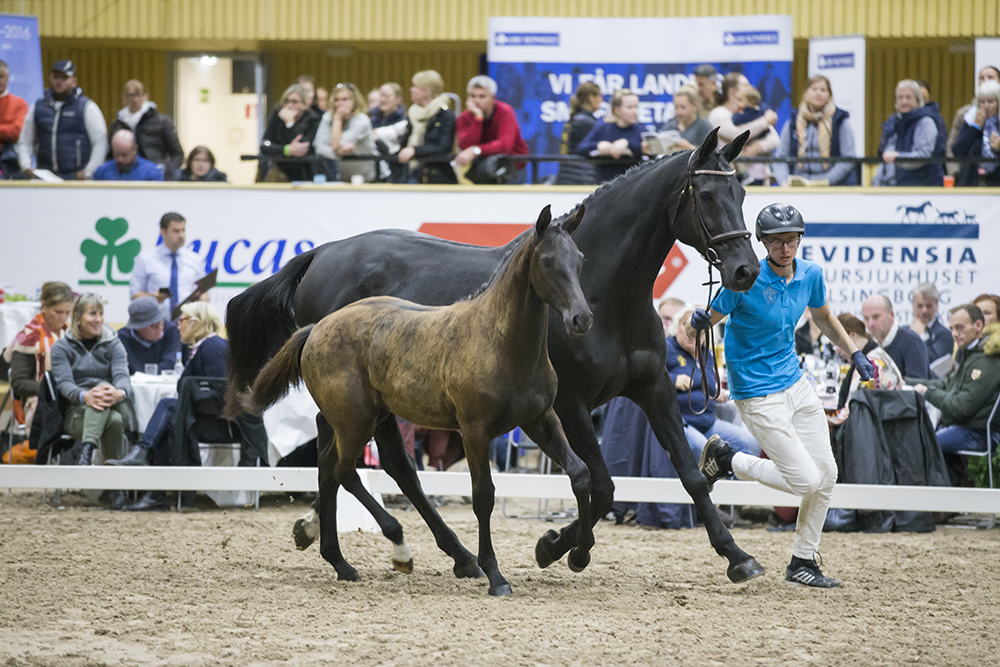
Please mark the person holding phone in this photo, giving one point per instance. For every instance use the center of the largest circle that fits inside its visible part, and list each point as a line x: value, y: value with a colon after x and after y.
x: 168, y: 271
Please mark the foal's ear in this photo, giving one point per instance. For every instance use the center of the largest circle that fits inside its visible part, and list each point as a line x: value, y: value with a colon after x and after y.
x: 544, y: 218
x: 733, y: 149
x: 708, y: 146
x: 574, y: 220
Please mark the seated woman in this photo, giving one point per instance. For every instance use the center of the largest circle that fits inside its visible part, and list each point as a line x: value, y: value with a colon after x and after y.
x: 887, y: 375
x: 818, y: 128
x: 200, y: 328
x: 200, y: 167
x: 981, y: 137
x: 90, y: 369
x: 911, y: 132
x: 686, y: 123
x: 584, y: 103
x: 729, y: 102
x: 290, y: 132
x: 431, y: 132
x: 619, y: 137
x: 990, y: 305
x: 347, y: 130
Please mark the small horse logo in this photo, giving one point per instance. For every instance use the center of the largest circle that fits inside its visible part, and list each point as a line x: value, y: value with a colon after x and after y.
x: 947, y: 216
x: 916, y: 212
x: 970, y: 218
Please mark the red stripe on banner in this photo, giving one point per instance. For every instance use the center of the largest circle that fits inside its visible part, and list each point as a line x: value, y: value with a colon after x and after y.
x: 478, y: 233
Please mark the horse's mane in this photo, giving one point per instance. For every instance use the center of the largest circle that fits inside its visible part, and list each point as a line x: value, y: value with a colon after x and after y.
x: 508, y: 255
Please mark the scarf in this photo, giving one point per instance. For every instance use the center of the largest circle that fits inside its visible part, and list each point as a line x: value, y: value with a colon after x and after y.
x: 132, y: 119
x: 824, y: 126
x: 419, y: 115
x: 35, y: 339
x: 991, y: 125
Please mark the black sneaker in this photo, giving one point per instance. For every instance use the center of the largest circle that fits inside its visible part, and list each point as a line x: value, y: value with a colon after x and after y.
x: 711, y: 465
x: 807, y: 573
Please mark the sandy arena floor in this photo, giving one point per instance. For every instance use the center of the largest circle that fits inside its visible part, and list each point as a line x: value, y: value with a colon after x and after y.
x: 85, y: 586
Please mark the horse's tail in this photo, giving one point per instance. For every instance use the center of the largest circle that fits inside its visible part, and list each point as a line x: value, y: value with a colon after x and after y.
x: 258, y: 322
x: 282, y: 372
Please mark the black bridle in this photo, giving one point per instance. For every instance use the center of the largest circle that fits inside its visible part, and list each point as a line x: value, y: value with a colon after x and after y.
x: 712, y: 258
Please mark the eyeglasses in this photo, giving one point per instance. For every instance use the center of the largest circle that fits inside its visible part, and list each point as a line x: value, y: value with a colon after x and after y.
x: 775, y: 243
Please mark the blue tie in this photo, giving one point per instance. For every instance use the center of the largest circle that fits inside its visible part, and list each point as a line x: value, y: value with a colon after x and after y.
x: 174, y: 289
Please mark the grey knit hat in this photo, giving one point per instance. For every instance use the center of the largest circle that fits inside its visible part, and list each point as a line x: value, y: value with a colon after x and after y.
x: 143, y: 312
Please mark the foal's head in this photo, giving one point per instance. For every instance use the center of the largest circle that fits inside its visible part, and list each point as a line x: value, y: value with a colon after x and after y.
x: 556, y: 263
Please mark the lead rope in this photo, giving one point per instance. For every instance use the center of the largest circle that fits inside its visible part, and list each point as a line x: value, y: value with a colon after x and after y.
x: 701, y: 352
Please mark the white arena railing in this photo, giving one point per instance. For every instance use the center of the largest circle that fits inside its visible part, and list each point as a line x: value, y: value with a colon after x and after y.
x: 508, y: 485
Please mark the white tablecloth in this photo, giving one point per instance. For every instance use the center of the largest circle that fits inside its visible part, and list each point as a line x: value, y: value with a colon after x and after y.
x: 147, y: 390
x: 13, y: 317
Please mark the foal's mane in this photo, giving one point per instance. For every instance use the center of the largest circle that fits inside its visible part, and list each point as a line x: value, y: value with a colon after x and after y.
x: 508, y: 255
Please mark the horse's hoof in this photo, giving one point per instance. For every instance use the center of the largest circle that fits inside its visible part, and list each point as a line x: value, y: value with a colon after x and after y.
x: 502, y: 590
x: 543, y: 554
x: 745, y: 571
x: 578, y: 560
x: 405, y: 568
x: 302, y: 537
x: 468, y: 570
x: 347, y: 573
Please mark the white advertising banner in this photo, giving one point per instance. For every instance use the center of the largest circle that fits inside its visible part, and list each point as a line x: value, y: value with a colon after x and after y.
x: 867, y: 241
x: 842, y: 61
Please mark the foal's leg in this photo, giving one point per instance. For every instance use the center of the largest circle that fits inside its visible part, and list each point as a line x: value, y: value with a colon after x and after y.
x: 548, y: 433
x: 477, y: 452
x: 329, y: 544
x: 659, y: 402
x: 306, y: 528
x: 398, y: 464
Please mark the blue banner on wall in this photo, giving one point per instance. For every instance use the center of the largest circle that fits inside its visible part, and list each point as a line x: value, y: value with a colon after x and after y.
x: 21, y: 49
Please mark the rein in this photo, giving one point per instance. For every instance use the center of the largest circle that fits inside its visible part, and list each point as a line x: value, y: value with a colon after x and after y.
x: 701, y: 351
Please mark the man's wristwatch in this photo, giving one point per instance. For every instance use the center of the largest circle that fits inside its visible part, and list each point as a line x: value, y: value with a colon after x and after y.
x: 477, y: 150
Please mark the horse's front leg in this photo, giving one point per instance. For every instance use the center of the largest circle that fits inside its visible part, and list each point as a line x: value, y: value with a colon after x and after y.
x: 548, y: 434
x: 575, y: 419
x: 398, y: 464
x: 477, y: 452
x: 329, y: 544
x: 659, y: 402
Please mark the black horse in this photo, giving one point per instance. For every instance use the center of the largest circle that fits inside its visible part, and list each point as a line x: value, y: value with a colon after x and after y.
x: 631, y: 224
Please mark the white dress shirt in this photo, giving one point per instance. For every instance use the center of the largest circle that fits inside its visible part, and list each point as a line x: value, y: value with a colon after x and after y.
x: 152, y: 271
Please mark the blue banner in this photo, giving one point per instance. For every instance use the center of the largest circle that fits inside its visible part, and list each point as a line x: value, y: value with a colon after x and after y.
x: 21, y: 49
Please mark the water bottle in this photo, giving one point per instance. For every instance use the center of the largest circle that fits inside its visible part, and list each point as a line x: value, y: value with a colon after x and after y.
x: 178, y: 365
x: 832, y: 375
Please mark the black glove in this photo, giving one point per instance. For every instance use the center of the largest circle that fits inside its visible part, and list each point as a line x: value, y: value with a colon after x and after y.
x: 865, y: 369
x: 701, y: 320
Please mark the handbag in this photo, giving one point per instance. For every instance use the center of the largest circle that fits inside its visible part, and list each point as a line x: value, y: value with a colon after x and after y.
x: 491, y: 170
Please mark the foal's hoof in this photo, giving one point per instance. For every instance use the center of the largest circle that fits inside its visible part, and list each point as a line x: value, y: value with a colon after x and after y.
x: 405, y: 568
x: 745, y: 571
x: 543, y: 550
x: 501, y: 590
x: 578, y: 560
x: 301, y: 535
x: 468, y: 570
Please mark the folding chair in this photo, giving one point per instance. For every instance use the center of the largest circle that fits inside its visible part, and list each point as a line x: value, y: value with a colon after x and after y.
x: 989, y: 442
x: 518, y: 441
x: 16, y: 431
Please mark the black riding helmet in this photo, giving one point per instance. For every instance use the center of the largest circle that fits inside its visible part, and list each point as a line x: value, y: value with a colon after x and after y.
x: 778, y: 219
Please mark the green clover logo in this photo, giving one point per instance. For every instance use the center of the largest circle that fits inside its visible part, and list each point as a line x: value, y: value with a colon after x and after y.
x: 125, y: 253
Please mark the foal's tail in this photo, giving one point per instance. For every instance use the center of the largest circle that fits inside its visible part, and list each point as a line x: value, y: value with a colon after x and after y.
x: 282, y: 372
x: 258, y: 322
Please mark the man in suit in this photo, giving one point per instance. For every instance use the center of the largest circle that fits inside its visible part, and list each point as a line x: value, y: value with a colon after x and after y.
x: 904, y: 346
x: 927, y: 324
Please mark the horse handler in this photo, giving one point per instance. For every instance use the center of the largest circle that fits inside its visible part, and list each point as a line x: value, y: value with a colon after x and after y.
x: 776, y: 402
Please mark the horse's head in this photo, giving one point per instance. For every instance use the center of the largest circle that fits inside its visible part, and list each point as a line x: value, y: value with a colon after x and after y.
x: 710, y: 212
x: 556, y: 263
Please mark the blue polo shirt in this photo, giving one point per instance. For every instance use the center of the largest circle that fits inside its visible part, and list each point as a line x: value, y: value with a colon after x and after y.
x: 142, y: 170
x: 760, y: 332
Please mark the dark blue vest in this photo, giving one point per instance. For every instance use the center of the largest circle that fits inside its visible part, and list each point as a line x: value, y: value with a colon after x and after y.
x: 904, y: 127
x: 72, y: 145
x: 839, y: 116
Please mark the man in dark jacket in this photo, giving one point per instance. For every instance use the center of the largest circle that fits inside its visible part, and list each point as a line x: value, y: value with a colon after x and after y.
x: 154, y: 131
x: 148, y: 338
x: 966, y: 397
x: 927, y: 324
x: 904, y: 346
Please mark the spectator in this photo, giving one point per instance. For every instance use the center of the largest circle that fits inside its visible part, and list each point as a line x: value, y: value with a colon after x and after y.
x: 618, y: 137
x: 667, y: 310
x: 390, y: 111
x: 706, y: 78
x: 200, y: 328
x: 308, y: 84
x: 347, y: 130
x: 126, y: 164
x: 935, y: 111
x: 887, y: 375
x: 322, y: 98
x: 13, y: 110
x: 290, y: 133
x: 686, y: 122
x: 904, y: 346
x: 431, y: 131
x: 148, y: 337
x: 728, y: 102
x: 582, y: 107
x: 989, y: 304
x: 154, y: 131
x: 64, y: 132
x: 911, y: 132
x: 91, y: 372
x: 967, y: 113
x: 927, y: 324
x: 980, y: 136
x: 167, y: 271
x: 201, y: 167
x: 30, y: 353
x: 374, y: 98
x: 818, y: 128
x: 966, y: 397
x: 750, y: 109
x: 488, y: 127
